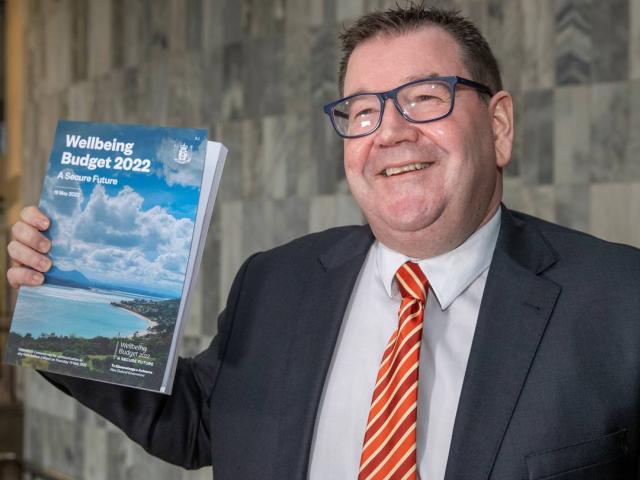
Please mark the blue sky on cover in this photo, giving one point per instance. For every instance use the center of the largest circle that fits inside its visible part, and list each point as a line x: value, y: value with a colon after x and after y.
x: 136, y: 234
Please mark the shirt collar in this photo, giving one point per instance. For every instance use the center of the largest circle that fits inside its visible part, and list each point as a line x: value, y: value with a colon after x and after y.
x: 449, y: 274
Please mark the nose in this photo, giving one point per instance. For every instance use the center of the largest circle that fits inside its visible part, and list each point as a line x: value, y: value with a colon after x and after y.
x: 394, y: 128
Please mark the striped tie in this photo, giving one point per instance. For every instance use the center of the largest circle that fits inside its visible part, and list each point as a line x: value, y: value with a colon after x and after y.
x: 389, y: 450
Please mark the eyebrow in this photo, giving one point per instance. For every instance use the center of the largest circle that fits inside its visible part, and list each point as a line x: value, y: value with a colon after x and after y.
x: 409, y: 79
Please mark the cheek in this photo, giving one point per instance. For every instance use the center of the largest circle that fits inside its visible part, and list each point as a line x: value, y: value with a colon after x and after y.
x: 440, y: 130
x: 355, y: 155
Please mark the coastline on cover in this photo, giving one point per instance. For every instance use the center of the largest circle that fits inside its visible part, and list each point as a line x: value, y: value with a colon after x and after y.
x: 123, y: 201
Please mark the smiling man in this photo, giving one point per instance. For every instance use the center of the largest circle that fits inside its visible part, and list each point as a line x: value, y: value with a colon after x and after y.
x: 450, y: 338
x: 424, y: 187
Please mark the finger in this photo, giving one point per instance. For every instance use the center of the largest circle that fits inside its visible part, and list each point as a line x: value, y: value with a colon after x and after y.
x: 30, y: 236
x: 18, y: 276
x: 33, y: 216
x: 27, y: 256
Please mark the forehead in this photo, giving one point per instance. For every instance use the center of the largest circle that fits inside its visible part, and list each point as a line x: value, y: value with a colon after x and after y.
x: 388, y: 60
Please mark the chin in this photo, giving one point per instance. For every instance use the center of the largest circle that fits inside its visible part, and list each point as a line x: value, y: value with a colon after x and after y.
x: 408, y: 216
x: 404, y: 224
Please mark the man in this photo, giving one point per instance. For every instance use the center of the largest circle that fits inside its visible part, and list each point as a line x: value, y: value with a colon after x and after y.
x: 525, y: 335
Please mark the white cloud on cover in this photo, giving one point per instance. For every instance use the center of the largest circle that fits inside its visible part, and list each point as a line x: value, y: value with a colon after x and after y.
x: 63, y: 212
x: 113, y: 239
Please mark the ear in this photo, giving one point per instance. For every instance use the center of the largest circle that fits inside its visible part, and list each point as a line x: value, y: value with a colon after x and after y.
x: 501, y: 111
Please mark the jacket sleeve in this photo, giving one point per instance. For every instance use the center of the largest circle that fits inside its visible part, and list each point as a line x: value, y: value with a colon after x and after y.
x: 176, y: 427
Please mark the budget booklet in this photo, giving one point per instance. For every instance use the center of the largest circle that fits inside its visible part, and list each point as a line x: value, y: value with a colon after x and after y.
x: 130, y: 206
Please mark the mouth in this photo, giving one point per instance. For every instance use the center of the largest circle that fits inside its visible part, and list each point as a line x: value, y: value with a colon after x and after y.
x: 411, y: 167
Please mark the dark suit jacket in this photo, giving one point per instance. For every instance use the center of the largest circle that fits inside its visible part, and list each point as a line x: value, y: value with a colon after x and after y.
x: 551, y: 391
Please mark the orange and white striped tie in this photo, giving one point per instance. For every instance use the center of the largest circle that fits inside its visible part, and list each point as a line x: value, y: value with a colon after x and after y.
x: 389, y: 450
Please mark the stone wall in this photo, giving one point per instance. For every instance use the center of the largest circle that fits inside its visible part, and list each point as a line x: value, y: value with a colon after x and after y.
x: 256, y: 74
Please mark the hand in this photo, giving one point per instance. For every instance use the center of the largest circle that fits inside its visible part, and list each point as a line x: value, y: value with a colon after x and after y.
x: 28, y: 248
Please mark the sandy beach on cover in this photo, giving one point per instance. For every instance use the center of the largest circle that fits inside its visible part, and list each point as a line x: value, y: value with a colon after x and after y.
x: 150, y: 322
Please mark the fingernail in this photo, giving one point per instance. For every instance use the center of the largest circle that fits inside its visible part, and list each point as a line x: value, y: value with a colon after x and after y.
x: 44, y: 224
x: 37, y: 277
x: 44, y: 265
x: 44, y: 246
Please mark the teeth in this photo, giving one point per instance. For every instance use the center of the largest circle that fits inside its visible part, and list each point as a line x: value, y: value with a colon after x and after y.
x: 406, y: 168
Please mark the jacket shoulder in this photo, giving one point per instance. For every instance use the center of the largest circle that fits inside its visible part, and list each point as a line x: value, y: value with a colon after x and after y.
x: 306, y: 250
x: 583, y: 247
x: 318, y: 242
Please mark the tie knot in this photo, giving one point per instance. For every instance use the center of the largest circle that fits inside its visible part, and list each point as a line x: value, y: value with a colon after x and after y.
x: 412, y: 282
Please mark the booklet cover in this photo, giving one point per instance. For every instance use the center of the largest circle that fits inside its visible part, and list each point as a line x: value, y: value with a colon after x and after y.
x: 129, y: 207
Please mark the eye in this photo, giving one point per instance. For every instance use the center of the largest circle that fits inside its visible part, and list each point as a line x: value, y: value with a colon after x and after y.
x: 365, y: 112
x: 426, y: 94
x: 362, y: 107
x: 423, y: 98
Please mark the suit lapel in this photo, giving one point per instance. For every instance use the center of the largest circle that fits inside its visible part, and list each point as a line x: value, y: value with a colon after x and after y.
x: 514, y: 312
x: 311, y: 346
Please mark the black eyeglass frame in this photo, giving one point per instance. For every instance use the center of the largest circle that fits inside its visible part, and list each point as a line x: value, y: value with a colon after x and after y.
x: 452, y: 81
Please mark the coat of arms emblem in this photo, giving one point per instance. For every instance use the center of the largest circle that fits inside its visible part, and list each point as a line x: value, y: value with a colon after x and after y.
x: 182, y: 153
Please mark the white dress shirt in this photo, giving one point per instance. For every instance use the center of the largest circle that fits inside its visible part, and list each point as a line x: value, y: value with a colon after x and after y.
x: 457, y: 281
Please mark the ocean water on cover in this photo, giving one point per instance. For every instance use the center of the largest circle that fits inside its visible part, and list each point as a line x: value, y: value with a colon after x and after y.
x: 74, y: 311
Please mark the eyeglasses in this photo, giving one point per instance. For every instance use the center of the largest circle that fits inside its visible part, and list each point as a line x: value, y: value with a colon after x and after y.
x: 420, y: 101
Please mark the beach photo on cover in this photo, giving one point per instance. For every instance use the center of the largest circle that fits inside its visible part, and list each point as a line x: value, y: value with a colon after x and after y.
x: 122, y: 209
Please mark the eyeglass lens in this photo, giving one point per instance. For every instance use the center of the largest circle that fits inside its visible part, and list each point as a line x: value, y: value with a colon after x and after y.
x: 419, y: 102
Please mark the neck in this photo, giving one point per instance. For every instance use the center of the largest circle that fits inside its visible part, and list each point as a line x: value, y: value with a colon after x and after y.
x: 440, y: 237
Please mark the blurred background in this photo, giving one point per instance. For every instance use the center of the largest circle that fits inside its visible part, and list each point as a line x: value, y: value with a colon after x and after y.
x: 256, y: 74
